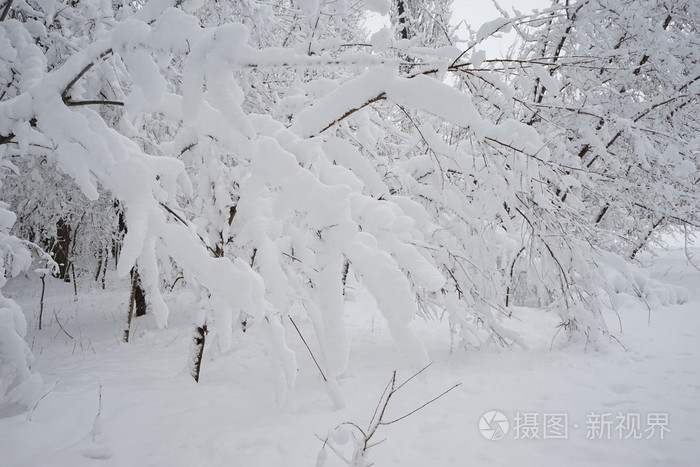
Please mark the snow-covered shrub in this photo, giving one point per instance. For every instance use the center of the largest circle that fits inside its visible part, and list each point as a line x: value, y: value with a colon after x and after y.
x: 19, y: 386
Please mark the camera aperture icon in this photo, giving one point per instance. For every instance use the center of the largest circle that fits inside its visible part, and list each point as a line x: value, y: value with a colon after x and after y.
x: 494, y: 425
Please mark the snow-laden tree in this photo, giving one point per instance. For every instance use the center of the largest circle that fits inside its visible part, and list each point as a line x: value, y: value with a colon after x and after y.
x: 615, y: 92
x: 268, y: 152
x: 579, y: 65
x: 285, y: 211
x: 51, y: 210
x: 612, y: 87
x: 477, y: 172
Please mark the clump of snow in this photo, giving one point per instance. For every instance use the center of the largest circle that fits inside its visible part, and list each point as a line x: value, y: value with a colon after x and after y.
x: 308, y: 7
x: 491, y: 27
x: 549, y: 83
x: 378, y: 6
x: 381, y: 40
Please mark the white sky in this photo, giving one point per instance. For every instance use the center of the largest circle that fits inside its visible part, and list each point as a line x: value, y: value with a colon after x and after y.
x: 475, y: 13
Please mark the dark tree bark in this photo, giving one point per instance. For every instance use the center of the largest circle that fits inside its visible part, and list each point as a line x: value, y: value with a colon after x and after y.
x: 130, y: 314
x: 61, y: 249
x: 137, y: 302
x: 401, y: 9
x: 41, y: 300
x: 346, y: 270
x: 121, y: 231
x: 138, y: 293
x: 199, y: 341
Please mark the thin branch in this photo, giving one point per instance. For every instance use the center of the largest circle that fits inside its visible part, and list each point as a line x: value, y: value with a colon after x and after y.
x: 618, y: 341
x: 379, y: 403
x: 8, y: 5
x: 422, y: 406
x: 82, y: 72
x: 353, y: 425
x: 309, y: 349
x: 61, y: 326
x: 676, y: 218
x: 93, y: 102
x: 293, y: 258
x: 184, y: 222
x: 333, y: 448
x: 414, y: 375
x: 356, y: 109
x: 373, y: 427
x: 31, y: 414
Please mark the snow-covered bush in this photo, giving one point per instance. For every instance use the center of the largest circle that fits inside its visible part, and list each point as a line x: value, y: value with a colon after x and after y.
x: 18, y: 384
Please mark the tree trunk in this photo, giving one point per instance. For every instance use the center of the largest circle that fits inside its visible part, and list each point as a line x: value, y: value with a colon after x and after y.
x: 41, y: 300
x: 130, y: 315
x: 121, y: 231
x: 346, y: 270
x: 138, y: 293
x: 199, y: 341
x: 403, y: 22
x: 61, y: 248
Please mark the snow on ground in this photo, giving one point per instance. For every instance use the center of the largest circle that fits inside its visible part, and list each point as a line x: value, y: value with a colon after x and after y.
x: 153, y: 414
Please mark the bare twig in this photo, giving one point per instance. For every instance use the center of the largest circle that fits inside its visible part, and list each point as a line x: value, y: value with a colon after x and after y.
x: 61, y: 326
x: 72, y: 103
x: 42, y: 398
x: 308, y: 348
x: 362, y: 441
x: 41, y: 300
x: 387, y: 388
x: 175, y: 282
x: 356, y: 109
x: 618, y: 341
x: 422, y: 406
x: 184, y: 222
x: 414, y: 375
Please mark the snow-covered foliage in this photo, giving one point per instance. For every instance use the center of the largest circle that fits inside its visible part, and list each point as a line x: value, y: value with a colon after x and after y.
x: 615, y: 95
x: 18, y: 384
x: 267, y: 151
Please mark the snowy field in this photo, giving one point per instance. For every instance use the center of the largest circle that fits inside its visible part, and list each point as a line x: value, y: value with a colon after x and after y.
x: 614, y: 407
